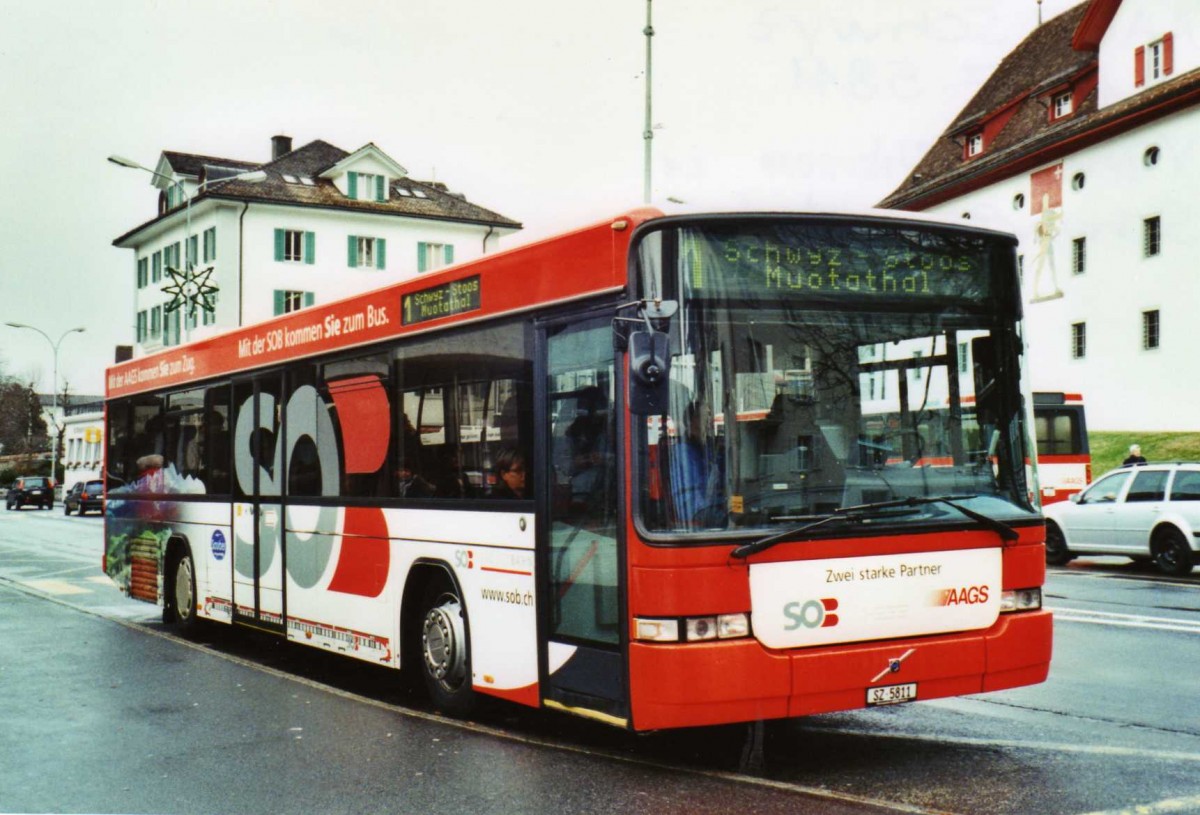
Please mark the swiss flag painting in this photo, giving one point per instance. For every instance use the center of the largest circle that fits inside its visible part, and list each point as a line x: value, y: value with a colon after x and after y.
x: 1046, y: 189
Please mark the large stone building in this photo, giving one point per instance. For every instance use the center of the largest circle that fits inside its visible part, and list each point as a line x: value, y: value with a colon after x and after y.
x: 311, y: 225
x: 1083, y: 144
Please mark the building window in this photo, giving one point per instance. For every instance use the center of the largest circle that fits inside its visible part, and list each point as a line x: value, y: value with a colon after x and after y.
x: 210, y: 244
x: 295, y: 246
x: 368, y: 187
x: 143, y: 273
x: 1079, y: 255
x: 1150, y: 157
x: 171, y: 257
x: 1154, y: 61
x: 1150, y: 327
x: 155, y: 322
x: 1019, y: 201
x: 193, y: 250
x: 431, y: 256
x: 1078, y: 340
x: 1152, y: 237
x: 1061, y: 105
x: 156, y: 265
x: 141, y: 326
x: 289, y: 301
x: 206, y: 316
x: 367, y: 253
x: 974, y: 144
x: 1077, y: 181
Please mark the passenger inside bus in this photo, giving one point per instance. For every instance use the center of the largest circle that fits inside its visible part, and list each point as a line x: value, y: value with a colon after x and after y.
x: 698, y: 469
x: 510, y: 474
x: 588, y: 437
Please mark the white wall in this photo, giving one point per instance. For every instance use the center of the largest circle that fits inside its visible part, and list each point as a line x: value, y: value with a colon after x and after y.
x: 1125, y: 386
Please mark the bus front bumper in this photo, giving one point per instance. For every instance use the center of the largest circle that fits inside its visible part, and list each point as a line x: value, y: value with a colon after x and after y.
x: 739, y: 680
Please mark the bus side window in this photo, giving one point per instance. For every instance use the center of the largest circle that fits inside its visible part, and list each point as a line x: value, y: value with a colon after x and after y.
x: 216, y: 447
x: 144, y: 459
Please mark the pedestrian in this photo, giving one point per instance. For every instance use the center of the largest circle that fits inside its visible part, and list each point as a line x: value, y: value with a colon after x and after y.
x: 1135, y: 456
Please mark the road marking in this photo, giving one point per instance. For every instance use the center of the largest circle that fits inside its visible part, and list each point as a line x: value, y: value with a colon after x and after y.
x: 56, y: 587
x: 1191, y: 804
x: 1074, y: 615
x: 1017, y: 744
x: 100, y: 580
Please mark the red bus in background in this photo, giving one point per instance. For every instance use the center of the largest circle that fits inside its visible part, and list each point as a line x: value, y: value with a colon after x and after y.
x: 1063, y: 457
x: 657, y: 472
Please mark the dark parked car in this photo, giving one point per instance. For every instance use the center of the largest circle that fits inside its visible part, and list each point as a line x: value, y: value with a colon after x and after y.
x: 31, y: 489
x: 85, y: 496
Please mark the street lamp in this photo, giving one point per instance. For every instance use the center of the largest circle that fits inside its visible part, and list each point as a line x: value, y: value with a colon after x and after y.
x: 53, y: 391
x: 253, y: 176
x: 648, y: 132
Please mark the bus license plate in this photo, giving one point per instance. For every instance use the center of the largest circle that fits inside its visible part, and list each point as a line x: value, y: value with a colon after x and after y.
x: 891, y: 694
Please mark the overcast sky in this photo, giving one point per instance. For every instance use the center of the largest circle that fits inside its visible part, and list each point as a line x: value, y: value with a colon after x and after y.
x: 532, y: 108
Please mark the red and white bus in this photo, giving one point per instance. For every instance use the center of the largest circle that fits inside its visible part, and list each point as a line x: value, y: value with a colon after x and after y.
x: 1064, y: 458
x: 626, y: 472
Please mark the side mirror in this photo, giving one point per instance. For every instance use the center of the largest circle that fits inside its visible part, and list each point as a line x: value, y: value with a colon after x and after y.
x: 1076, y: 497
x: 649, y: 372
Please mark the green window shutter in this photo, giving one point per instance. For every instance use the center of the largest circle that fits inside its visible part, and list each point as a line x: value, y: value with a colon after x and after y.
x: 379, y: 196
x: 352, y: 251
x: 421, y: 264
x: 380, y: 253
x: 309, y: 299
x: 279, y: 238
x: 310, y: 247
x: 449, y: 254
x: 353, y: 185
x: 279, y: 302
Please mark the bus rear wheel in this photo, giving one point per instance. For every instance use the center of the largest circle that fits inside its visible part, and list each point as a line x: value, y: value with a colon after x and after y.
x: 180, y: 607
x: 445, y: 651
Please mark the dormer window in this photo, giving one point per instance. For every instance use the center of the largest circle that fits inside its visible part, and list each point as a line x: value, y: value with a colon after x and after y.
x: 1061, y: 105
x: 1154, y: 61
x: 368, y: 187
x: 974, y: 144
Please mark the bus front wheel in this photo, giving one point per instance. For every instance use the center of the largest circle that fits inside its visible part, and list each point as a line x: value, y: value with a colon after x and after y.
x: 445, y: 651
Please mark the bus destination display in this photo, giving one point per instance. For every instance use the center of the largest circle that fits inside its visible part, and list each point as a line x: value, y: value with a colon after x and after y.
x: 839, y: 263
x: 446, y: 300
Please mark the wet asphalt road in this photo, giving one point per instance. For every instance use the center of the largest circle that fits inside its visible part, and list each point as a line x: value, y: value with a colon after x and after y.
x: 107, y: 712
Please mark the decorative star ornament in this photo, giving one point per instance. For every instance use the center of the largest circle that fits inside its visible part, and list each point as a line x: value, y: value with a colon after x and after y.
x: 190, y: 288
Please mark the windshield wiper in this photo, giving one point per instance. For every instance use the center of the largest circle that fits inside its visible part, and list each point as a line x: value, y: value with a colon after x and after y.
x: 1006, y: 532
x: 856, y: 514
x: 862, y: 512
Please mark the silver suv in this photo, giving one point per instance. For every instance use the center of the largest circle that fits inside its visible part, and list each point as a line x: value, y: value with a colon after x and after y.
x: 1145, y: 511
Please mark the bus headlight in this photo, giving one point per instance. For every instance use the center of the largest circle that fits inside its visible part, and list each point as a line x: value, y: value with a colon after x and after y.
x: 694, y: 629
x: 1020, y: 600
x: 651, y: 630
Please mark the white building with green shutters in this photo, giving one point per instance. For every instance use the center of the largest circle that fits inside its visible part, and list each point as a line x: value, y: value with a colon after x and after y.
x: 311, y: 225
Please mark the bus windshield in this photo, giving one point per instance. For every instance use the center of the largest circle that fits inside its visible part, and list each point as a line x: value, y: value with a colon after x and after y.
x: 819, y: 367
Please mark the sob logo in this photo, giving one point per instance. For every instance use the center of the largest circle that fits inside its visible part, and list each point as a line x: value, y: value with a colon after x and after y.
x: 965, y: 596
x: 811, y: 614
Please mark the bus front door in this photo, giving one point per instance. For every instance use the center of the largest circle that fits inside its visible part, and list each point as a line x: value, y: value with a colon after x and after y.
x: 257, y: 512
x: 583, y: 664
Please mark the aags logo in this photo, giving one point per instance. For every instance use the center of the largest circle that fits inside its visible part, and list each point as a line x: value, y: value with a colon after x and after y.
x: 811, y: 614
x: 964, y: 596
